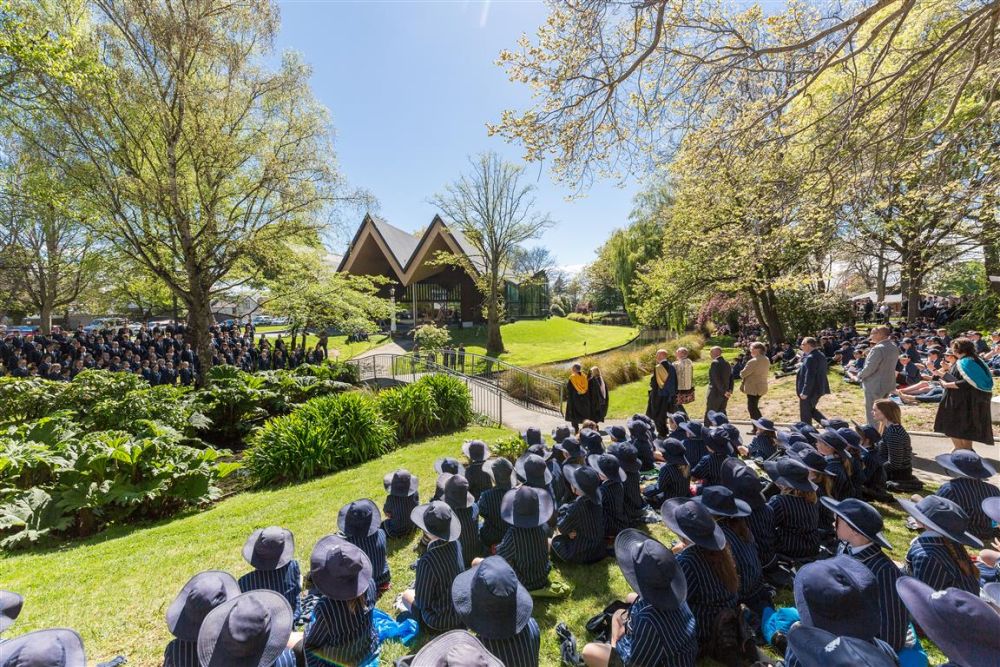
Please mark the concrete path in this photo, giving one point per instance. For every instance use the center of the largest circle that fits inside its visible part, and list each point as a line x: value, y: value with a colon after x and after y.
x: 390, y: 347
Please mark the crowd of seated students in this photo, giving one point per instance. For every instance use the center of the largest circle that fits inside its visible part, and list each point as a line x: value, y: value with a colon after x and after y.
x: 787, y: 509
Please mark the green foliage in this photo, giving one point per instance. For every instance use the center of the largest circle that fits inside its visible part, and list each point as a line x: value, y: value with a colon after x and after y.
x: 510, y: 448
x: 555, y: 310
x: 579, y: 317
x: 453, y: 400
x: 431, y: 337
x: 805, y: 311
x: 331, y: 369
x: 321, y: 436
x: 411, y: 408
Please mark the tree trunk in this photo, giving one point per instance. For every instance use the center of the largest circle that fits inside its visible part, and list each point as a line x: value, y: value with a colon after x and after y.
x: 45, y: 318
x: 767, y: 314
x: 199, y: 321
x: 494, y: 340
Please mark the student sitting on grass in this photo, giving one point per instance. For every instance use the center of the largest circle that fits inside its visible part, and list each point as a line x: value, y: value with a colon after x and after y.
x: 445, y: 466
x: 201, y: 594
x: 628, y: 461
x: 479, y: 480
x: 642, y: 439
x: 581, y: 522
x: 795, y: 509
x: 937, y: 556
x: 873, y: 478
x: 429, y: 601
x: 55, y: 647
x: 526, y: 546
x: 271, y: 552
x: 251, y: 630
x: 833, y: 447
x: 342, y: 629
x: 709, y: 469
x: 493, y: 527
x: 694, y: 442
x: 764, y: 444
x: 970, y: 488
x: 741, y: 479
x: 403, y: 496
x: 463, y: 506
x: 612, y: 493
x: 673, y: 479
x: 894, y: 449
x: 360, y: 524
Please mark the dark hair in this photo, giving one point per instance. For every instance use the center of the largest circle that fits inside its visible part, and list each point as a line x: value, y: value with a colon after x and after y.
x: 964, y: 347
x: 739, y: 526
x: 723, y: 566
x: 961, y: 558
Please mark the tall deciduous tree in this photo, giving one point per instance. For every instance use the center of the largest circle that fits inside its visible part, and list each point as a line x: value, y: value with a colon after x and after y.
x: 199, y: 152
x: 495, y: 211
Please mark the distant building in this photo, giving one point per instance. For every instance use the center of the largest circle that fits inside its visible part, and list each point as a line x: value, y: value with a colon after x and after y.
x: 431, y: 291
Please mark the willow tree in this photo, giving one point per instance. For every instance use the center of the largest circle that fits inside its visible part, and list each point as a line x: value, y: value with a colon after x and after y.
x: 199, y: 148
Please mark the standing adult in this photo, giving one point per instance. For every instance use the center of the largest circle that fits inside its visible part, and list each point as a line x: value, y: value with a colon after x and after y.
x: 599, y: 396
x: 754, y: 378
x: 578, y: 398
x: 662, y: 392
x: 811, y: 382
x: 964, y: 413
x: 720, y: 382
x: 878, y: 375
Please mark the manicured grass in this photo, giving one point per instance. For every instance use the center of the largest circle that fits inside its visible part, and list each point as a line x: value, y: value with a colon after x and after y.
x: 535, y: 342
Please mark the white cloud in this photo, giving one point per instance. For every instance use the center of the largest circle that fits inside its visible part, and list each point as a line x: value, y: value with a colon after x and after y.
x: 572, y: 269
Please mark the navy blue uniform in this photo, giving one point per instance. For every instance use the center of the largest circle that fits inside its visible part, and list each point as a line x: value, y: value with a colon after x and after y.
x: 761, y: 523
x: 374, y: 547
x: 796, y: 522
x: 893, y: 617
x: 436, y: 569
x: 479, y: 480
x: 397, y: 510
x: 762, y: 447
x: 706, y: 595
x: 969, y: 494
x: 521, y: 649
x: 469, y: 539
x: 843, y: 487
x: 526, y: 550
x: 635, y: 503
x: 695, y: 449
x: 285, y: 581
x: 181, y: 653
x: 670, y: 483
x: 613, y: 503
x: 342, y: 631
x: 585, y: 518
x: 929, y: 560
x: 493, y: 528
x: 655, y: 638
x: 709, y: 469
x: 752, y: 590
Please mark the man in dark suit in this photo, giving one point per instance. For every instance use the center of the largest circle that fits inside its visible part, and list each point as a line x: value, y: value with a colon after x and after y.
x: 662, y: 392
x: 811, y: 382
x: 720, y: 382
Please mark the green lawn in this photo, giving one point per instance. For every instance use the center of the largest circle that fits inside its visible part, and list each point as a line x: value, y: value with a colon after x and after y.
x: 535, y: 342
x: 115, y: 587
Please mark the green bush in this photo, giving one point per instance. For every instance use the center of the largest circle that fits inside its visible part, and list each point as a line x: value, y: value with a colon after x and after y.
x: 579, y: 317
x: 510, y: 448
x: 331, y: 369
x: 431, y: 337
x: 454, y: 402
x: 411, y: 407
x: 324, y: 435
x: 555, y: 310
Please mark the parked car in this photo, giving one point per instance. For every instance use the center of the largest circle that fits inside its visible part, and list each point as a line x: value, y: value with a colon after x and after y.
x: 101, y: 323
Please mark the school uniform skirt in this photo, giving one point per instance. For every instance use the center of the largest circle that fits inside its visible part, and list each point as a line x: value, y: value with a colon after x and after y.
x: 964, y: 413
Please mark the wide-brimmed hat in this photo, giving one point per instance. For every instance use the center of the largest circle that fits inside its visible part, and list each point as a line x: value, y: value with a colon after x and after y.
x: 721, y: 501
x: 533, y: 436
x: 627, y: 455
x: 788, y: 438
x: 269, y: 548
x: 790, y: 473
x: 943, y: 517
x: 476, y: 450
x: 813, y: 460
x: 716, y: 418
x: 839, y: 595
x: 540, y: 450
x: 456, y: 493
x: 201, y: 594
x: 449, y: 465
x: 251, y: 630
x: 10, y: 608
x: 54, y: 647
x: 585, y: 479
x: 560, y: 433
x: 833, y: 439
x: 437, y: 519
x: 693, y: 522
x: 638, y: 428
x: 531, y: 469
x: 814, y: 647
x: 591, y: 441
x: 692, y: 428
x: 607, y: 465
x: 860, y: 516
x: 991, y: 508
x: 650, y: 569
x: 764, y: 424
x: 744, y: 482
x: 673, y: 450
x: 359, y: 519
x: 456, y: 648
x: 964, y: 627
x: 501, y: 471
x: 490, y: 600
x: 679, y: 418
x: 340, y: 570
x: 717, y: 440
x: 834, y: 423
x: 807, y: 431
x: 966, y: 463
x: 571, y: 447
x: 401, y: 483
x: 618, y: 433
x: 526, y: 507
x: 852, y: 437
x: 868, y: 432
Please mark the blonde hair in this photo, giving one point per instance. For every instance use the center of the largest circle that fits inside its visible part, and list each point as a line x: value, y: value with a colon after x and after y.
x: 595, y: 372
x: 682, y: 352
x: 890, y: 409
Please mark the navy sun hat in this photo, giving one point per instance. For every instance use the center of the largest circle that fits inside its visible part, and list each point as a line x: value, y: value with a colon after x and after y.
x: 717, y: 440
x: 692, y: 428
x: 650, y: 569
x: 476, y: 450
x: 456, y: 648
x: 490, y: 600
x: 744, y: 482
x: 526, y: 507
x: 868, y: 432
x: 570, y: 446
x: 991, y: 593
x: 721, y: 501
x: 269, y: 548
x: 55, y: 647
x: 807, y: 431
x: 359, y: 519
x: 673, y: 450
x: 627, y: 455
x: 340, y: 570
x: 716, y: 418
x: 501, y: 471
x: 833, y: 439
x: 693, y: 523
x: 585, y: 479
x: 607, y: 465
x: 591, y: 441
x: 638, y: 428
x: 437, y: 519
x: 540, y: 450
x: 560, y: 433
x: 851, y: 436
x: 10, y: 608
x: 814, y: 647
x: 964, y: 627
x: 531, y: 469
x: 401, y: 483
x: 966, y: 463
x: 943, y: 517
x: 251, y: 630
x: 679, y: 418
x: 991, y: 508
x: 533, y: 436
x: 839, y: 595
x: 449, y: 465
x: 732, y: 431
x: 201, y: 594
x: 834, y: 424
x: 813, y: 460
x: 790, y: 473
x: 456, y: 493
x: 764, y: 424
x: 788, y: 438
x: 860, y: 516
x: 618, y: 433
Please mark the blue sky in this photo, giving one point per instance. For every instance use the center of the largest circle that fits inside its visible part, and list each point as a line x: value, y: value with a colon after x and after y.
x: 411, y: 86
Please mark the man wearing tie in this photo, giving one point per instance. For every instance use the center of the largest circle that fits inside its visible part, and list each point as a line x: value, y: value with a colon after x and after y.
x: 878, y: 375
x: 720, y: 382
x: 811, y: 382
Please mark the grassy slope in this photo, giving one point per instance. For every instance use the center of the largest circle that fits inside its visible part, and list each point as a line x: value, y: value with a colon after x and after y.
x: 534, y: 342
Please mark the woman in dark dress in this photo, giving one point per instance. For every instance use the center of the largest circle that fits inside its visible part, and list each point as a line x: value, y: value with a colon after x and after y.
x: 964, y: 413
x: 599, y: 396
x: 578, y: 398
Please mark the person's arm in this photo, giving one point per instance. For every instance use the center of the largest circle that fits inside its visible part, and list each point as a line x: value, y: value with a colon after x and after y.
x: 873, y: 361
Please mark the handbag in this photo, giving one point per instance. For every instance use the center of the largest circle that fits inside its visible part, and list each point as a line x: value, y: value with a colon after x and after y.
x: 685, y: 396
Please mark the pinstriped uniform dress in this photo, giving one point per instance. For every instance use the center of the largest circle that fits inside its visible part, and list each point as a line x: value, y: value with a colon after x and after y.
x: 894, y: 619
x: 658, y: 638
x: 761, y: 523
x: 762, y: 447
x: 796, y: 522
x: 374, y: 547
x: 586, y: 518
x: 397, y: 510
x: 520, y: 650
x: 181, y: 653
x: 493, y: 528
x: 709, y: 469
x: 635, y: 503
x: 706, y: 595
x: 285, y: 581
x: 436, y: 569
x: 469, y: 538
x: 339, y: 633
x: 526, y: 550
x: 969, y: 494
x: 613, y: 503
x: 930, y: 561
x: 479, y: 481
x: 752, y: 590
